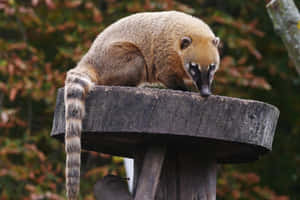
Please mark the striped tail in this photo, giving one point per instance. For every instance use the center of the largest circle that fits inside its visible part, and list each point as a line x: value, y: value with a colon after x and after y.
x: 77, y: 85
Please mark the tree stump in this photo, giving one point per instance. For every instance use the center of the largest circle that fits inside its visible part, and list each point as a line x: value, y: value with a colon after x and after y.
x: 176, y: 138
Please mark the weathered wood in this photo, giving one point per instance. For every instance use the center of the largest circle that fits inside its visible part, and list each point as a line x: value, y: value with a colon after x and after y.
x: 138, y: 164
x: 123, y: 120
x: 148, y: 178
x: 286, y: 20
x: 184, y: 176
x: 112, y: 188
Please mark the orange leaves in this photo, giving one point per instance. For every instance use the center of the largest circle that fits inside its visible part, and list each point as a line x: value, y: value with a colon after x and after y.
x: 7, y: 6
x: 50, y: 4
x: 34, y: 2
x: 9, y: 149
x: 14, y: 91
x: 9, y: 119
x: 16, y: 46
x: 236, y: 194
x: 47, y: 195
x: 25, y: 73
x: 13, y: 94
x: 28, y: 149
x: 72, y: 4
x: 184, y: 8
x: 3, y: 87
x: 97, y: 17
x: 11, y: 69
x: 267, y: 193
x: 30, y: 169
x: 136, y: 6
x: 249, y: 178
x: 30, y: 188
x: 66, y: 25
x: 89, y: 5
x: 89, y: 197
x: 240, y: 25
x: 32, y: 148
x: 250, y: 47
x: 14, y: 64
x: 240, y: 74
x: 236, y: 185
x: 260, y: 82
x: 96, y: 171
x: 243, y: 57
x: 240, y: 68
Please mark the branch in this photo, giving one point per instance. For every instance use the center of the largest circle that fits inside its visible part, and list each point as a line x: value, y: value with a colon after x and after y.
x: 286, y: 21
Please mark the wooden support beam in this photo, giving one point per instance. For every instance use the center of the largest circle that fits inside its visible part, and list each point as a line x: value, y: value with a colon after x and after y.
x: 184, y: 175
x: 148, y: 178
x: 112, y: 188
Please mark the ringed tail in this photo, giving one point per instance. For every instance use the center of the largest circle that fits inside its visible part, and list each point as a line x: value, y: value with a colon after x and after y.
x: 77, y: 86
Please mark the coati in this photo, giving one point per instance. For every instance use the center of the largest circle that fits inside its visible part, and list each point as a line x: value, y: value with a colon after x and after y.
x: 169, y: 48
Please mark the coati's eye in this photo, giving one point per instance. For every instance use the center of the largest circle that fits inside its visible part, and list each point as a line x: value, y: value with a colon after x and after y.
x: 185, y: 42
x: 193, y: 65
x: 212, y: 67
x: 194, y: 71
x: 216, y: 41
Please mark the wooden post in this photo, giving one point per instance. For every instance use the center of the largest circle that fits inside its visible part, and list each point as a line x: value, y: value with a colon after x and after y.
x: 177, y: 138
x: 150, y: 171
x: 111, y: 188
x: 185, y: 176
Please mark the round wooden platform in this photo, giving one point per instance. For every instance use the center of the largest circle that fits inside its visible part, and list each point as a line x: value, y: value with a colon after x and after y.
x: 123, y: 120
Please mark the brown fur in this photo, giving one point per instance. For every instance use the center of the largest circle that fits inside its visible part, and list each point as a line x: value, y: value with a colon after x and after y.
x: 140, y: 48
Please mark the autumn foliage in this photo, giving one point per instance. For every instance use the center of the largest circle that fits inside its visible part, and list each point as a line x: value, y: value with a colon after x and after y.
x: 41, y: 39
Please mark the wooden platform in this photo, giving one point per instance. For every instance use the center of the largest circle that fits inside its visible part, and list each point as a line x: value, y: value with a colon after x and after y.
x: 120, y: 120
x: 186, y: 132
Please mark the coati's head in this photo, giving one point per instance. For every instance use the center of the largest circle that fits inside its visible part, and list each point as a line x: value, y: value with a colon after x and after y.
x: 201, y: 60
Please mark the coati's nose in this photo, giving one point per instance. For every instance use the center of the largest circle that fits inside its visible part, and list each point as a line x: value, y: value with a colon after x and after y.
x: 205, y: 91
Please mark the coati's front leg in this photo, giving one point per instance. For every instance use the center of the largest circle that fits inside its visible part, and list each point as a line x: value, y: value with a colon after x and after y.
x: 122, y: 64
x: 176, y: 80
x: 152, y: 85
x: 172, y: 81
x: 171, y: 73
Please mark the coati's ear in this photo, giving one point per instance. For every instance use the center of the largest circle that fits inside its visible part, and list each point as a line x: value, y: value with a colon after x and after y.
x: 216, y: 41
x: 185, y: 42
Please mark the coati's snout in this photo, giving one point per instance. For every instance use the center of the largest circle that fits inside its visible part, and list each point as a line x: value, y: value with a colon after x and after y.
x: 202, y: 76
x: 201, y: 60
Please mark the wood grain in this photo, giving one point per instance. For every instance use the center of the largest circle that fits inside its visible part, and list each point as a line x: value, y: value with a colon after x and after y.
x: 185, y: 177
x: 148, y: 178
x: 122, y: 120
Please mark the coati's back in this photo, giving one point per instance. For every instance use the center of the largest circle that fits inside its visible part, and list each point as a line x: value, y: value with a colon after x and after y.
x: 154, y: 31
x: 171, y: 48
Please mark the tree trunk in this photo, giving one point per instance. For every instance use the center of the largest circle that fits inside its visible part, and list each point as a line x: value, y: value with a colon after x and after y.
x: 286, y: 21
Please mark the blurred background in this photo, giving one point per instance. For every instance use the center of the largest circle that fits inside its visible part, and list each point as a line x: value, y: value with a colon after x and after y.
x: 41, y: 39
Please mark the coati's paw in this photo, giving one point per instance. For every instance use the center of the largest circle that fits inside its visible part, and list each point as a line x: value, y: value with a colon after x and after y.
x: 152, y: 85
